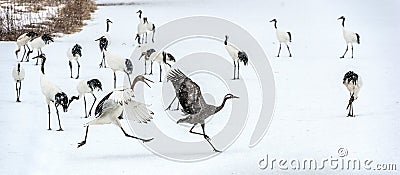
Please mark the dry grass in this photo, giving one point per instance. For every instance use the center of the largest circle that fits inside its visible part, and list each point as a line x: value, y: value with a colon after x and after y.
x: 41, y: 19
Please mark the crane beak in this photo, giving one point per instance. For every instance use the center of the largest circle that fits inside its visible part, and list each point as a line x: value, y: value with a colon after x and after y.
x: 145, y: 79
x: 235, y: 97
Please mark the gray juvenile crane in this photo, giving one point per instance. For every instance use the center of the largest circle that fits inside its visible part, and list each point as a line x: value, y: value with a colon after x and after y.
x: 353, y: 84
x: 193, y: 103
x: 117, y: 104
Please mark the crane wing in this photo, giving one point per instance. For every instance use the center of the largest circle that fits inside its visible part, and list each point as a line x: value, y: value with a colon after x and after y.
x: 137, y: 111
x: 99, y: 107
x: 187, y: 91
x: 190, y: 97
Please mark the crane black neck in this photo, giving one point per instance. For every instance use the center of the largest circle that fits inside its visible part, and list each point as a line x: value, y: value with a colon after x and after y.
x: 140, y: 14
x: 108, y: 26
x: 226, y: 40
x: 42, y: 66
x: 219, y: 108
x: 343, y: 22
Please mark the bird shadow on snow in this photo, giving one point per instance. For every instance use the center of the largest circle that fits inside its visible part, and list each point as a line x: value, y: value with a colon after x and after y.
x: 119, y: 156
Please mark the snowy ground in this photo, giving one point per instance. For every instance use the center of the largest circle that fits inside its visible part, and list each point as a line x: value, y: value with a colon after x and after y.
x: 309, y: 119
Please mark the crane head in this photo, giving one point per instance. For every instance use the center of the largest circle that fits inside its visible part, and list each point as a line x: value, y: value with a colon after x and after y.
x: 142, y: 79
x: 229, y: 96
x: 62, y: 99
x: 95, y: 84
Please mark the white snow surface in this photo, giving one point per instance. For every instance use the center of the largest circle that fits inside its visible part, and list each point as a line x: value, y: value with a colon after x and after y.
x: 309, y: 120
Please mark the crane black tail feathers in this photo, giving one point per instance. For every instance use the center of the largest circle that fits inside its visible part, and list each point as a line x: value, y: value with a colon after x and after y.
x: 129, y: 66
x: 358, y: 38
x: 243, y: 57
x: 290, y: 36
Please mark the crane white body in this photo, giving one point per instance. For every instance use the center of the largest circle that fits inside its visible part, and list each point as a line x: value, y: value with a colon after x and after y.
x: 115, y: 62
x: 83, y: 88
x: 283, y: 37
x: 18, y: 75
x: 49, y: 89
x: 118, y: 63
x: 354, y: 88
x: 162, y: 59
x: 232, y: 51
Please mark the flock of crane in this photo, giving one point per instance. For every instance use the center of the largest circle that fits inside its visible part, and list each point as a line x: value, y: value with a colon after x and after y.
x: 120, y: 103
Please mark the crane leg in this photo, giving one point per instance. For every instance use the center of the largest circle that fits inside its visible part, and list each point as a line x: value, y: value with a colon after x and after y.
x: 90, y: 111
x: 79, y: 66
x: 84, y: 103
x: 48, y: 109
x: 234, y: 70
x: 29, y: 49
x: 347, y: 48
x: 16, y: 89
x: 290, y: 54
x: 177, y: 106
x: 350, y: 114
x: 16, y: 52
x: 152, y: 36
x: 145, y: 67
x: 352, y: 51
x: 24, y: 52
x: 352, y: 111
x: 19, y: 90
x: 115, y: 80
x: 70, y: 67
x: 204, y: 135
x: 127, y: 135
x: 280, y: 45
x: 84, y: 141
x: 146, y: 36
x: 238, y: 74
x: 160, y: 72
x: 59, y: 122
x: 208, y: 138
x: 151, y: 68
x: 169, y: 106
x: 37, y: 60
x: 27, y: 55
x: 129, y: 79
